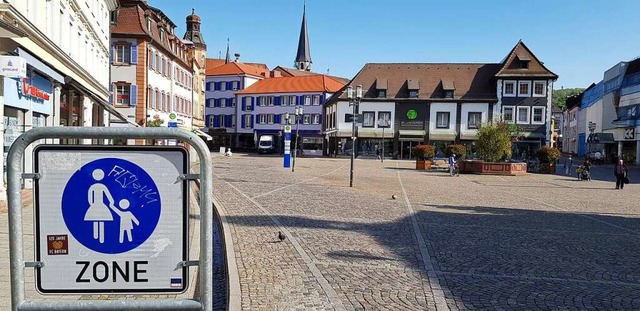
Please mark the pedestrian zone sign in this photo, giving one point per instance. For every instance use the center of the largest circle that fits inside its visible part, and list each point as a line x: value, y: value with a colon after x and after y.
x: 111, y: 219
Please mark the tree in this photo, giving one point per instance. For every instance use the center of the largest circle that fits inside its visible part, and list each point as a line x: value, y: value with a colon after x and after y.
x: 459, y: 150
x: 494, y: 141
x: 559, y: 97
x: 424, y: 152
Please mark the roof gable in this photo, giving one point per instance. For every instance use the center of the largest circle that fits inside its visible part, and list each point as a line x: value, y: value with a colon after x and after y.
x: 521, y: 53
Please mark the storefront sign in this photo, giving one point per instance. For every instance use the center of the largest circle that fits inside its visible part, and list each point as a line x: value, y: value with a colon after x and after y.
x: 13, y: 66
x: 411, y: 116
x: 30, y: 90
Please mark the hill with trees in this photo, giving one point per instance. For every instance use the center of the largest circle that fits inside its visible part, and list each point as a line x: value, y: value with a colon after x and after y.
x: 559, y: 97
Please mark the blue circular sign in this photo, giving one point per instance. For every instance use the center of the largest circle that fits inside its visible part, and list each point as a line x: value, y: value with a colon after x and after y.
x: 111, y: 205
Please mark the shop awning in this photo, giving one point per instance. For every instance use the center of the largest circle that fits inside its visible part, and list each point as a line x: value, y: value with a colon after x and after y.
x: 445, y: 136
x: 601, y: 138
x: 537, y: 135
x: 107, y: 106
x: 40, y: 66
x: 407, y: 133
x: 469, y: 136
x: 197, y: 132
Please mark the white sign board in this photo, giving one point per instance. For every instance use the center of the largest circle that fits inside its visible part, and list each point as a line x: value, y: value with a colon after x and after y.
x: 111, y: 219
x: 13, y: 66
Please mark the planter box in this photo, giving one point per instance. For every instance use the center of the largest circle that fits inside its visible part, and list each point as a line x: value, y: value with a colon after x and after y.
x: 423, y: 164
x: 492, y: 168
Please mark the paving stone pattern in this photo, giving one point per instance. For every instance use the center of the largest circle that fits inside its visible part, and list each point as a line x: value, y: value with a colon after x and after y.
x: 536, y: 242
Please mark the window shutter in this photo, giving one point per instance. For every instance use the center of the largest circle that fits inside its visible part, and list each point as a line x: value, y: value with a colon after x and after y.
x: 243, y: 122
x: 153, y: 61
x: 133, y: 96
x: 216, y: 102
x: 113, y: 51
x: 300, y: 100
x: 259, y: 101
x: 216, y: 86
x: 320, y: 117
x: 216, y: 121
x: 208, y: 86
x: 244, y: 104
x: 134, y: 53
x: 276, y: 119
x: 276, y: 100
x: 252, y: 123
x: 111, y: 93
x: 257, y: 119
x: 228, y: 120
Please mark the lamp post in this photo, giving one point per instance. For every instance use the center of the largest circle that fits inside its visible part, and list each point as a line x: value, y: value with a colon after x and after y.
x: 299, y: 112
x: 382, y: 123
x: 354, y: 102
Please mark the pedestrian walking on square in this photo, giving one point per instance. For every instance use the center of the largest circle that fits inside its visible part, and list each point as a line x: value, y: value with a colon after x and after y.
x: 452, y: 164
x: 622, y: 174
x: 567, y: 165
x: 378, y: 154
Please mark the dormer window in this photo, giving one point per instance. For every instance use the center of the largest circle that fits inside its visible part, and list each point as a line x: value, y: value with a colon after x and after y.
x: 448, y: 87
x: 414, y: 88
x: 381, y: 88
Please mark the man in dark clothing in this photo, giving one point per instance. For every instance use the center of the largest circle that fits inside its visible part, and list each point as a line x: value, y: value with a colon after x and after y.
x: 621, y: 172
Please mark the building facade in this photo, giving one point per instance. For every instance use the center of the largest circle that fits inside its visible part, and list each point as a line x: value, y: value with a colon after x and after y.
x: 442, y: 104
x: 152, y: 76
x: 197, y: 55
x: 222, y: 84
x: 64, y: 47
x: 264, y: 106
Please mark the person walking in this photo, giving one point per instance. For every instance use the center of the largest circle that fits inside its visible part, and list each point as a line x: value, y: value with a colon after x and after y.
x: 621, y: 172
x: 568, y: 163
x: 452, y: 164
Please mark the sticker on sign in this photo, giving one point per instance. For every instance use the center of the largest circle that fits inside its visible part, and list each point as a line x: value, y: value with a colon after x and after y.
x: 111, y: 220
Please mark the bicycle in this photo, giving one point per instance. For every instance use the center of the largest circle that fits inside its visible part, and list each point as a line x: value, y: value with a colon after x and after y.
x: 455, y: 171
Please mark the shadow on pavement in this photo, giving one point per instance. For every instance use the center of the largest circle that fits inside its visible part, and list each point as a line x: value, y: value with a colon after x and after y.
x: 485, y: 257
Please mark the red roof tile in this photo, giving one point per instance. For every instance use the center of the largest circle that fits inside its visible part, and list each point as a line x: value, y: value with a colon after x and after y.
x: 235, y: 68
x: 301, y: 84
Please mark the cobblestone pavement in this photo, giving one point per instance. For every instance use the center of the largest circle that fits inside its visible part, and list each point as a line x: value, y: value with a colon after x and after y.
x: 473, y: 242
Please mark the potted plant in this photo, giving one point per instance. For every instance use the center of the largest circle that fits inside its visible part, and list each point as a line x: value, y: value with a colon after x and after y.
x: 548, y: 156
x: 423, y: 155
x: 494, y: 142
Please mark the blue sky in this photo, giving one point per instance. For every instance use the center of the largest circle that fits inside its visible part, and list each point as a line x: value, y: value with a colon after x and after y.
x: 576, y: 39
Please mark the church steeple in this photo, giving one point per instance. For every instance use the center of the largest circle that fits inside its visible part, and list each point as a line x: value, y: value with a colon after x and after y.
x: 303, y: 58
x: 193, y: 31
x: 228, y: 57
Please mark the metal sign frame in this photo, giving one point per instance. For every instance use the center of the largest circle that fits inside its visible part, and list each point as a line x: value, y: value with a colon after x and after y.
x: 16, y: 242
x: 103, y: 148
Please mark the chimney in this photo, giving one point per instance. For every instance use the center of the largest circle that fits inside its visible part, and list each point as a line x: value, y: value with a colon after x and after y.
x: 237, y: 55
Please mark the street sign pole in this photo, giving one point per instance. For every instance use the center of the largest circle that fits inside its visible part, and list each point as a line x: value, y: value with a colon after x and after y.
x: 287, y: 146
x: 16, y: 243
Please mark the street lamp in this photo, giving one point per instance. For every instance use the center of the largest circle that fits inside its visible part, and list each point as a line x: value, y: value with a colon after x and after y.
x: 354, y: 102
x: 382, y: 123
x: 299, y: 112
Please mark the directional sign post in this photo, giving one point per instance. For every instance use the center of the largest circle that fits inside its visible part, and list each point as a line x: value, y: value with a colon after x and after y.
x: 111, y: 220
x: 287, y: 146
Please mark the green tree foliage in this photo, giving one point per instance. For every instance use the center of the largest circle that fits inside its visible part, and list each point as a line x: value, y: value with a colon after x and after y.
x: 494, y: 142
x: 459, y: 150
x: 548, y: 154
x: 424, y: 152
x: 559, y: 97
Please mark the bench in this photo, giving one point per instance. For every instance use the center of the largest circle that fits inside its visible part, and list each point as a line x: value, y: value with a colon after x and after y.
x: 440, y: 164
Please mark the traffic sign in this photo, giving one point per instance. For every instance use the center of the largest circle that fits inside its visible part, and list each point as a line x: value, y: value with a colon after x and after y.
x: 111, y: 219
x: 172, y: 116
x: 350, y: 117
x: 172, y: 124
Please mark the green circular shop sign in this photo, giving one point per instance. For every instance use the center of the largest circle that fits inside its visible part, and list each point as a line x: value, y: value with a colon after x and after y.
x: 172, y: 116
x: 412, y: 114
x: 513, y: 127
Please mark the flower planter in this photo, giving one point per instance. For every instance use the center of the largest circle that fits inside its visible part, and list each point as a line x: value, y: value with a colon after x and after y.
x: 423, y: 164
x: 493, y: 168
x: 547, y: 168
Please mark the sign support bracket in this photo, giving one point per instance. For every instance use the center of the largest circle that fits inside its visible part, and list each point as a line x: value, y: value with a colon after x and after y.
x: 31, y: 176
x: 33, y: 264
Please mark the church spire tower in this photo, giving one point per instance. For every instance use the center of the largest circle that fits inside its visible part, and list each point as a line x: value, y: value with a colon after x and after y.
x: 303, y: 57
x: 227, y: 59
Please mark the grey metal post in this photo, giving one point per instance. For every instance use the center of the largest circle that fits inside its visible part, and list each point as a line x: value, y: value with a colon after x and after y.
x: 353, y: 143
x: 16, y: 244
x: 382, y: 155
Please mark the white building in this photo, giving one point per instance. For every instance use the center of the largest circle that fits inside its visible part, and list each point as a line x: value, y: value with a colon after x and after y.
x: 65, y: 44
